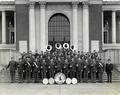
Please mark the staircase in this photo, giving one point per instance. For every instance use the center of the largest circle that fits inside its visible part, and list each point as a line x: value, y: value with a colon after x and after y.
x: 115, y: 76
x: 4, y: 76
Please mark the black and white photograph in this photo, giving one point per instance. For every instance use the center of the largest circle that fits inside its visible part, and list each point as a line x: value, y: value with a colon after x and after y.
x: 59, y: 47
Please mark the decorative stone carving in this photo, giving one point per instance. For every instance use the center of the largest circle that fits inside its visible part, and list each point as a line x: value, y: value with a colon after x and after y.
x: 31, y: 4
x: 75, y: 4
x: 85, y: 4
x: 42, y: 4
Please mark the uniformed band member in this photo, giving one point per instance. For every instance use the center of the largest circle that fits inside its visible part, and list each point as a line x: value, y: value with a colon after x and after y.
x: 86, y: 70
x: 28, y: 69
x: 35, y: 70
x: 79, y: 69
x: 100, y: 70
x: 65, y: 68
x: 51, y: 69
x: 20, y: 67
x: 93, y: 70
x: 12, y: 67
x: 46, y: 64
x: 109, y: 69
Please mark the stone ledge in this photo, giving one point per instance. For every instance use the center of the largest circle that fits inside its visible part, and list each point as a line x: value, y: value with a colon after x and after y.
x: 110, y: 46
x: 8, y: 46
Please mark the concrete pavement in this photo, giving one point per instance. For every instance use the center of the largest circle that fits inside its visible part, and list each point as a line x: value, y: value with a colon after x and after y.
x: 78, y: 89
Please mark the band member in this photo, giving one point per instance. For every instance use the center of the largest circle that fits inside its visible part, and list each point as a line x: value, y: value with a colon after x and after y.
x: 79, y: 69
x: 65, y: 67
x: 86, y: 70
x: 93, y: 68
x: 109, y: 69
x: 72, y: 68
x: 20, y: 70
x: 12, y: 67
x: 100, y: 69
x: 35, y: 70
x: 36, y: 54
x: 59, y: 65
x: 51, y: 69
x: 43, y: 69
x: 28, y: 69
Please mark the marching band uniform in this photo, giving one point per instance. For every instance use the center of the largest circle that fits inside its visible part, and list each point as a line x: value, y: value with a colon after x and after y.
x: 28, y: 69
x: 51, y: 69
x: 59, y: 65
x: 65, y: 68
x: 93, y: 71
x: 100, y: 69
x: 72, y: 69
x: 86, y: 70
x: 79, y: 69
x: 20, y: 70
x: 43, y: 69
x: 12, y: 67
x: 35, y: 70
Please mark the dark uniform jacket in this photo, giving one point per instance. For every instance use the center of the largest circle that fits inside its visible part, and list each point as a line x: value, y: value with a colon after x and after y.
x: 12, y: 65
x: 35, y: 66
x: 72, y: 66
x: 28, y: 66
x: 109, y: 67
x: 93, y: 67
x: 100, y: 67
x: 20, y: 67
x: 86, y: 67
x: 79, y: 65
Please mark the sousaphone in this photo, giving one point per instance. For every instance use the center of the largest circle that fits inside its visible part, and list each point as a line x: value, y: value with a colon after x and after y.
x: 49, y: 48
x: 66, y: 46
x: 72, y: 47
x: 58, y: 46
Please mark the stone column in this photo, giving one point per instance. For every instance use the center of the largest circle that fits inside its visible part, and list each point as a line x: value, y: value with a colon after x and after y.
x: 14, y: 27
x: 32, y: 27
x: 85, y: 27
x: 75, y: 24
x: 102, y: 26
x: 113, y: 26
x: 42, y: 26
x: 3, y: 27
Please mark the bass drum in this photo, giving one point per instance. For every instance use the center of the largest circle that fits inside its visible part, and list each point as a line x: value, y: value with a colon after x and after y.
x: 68, y: 81
x: 74, y: 81
x: 60, y: 78
x: 51, y: 81
x: 45, y: 81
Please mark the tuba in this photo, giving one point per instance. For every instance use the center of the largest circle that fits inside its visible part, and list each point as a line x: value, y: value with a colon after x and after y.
x: 72, y: 47
x: 58, y: 46
x: 66, y: 46
x: 49, y: 48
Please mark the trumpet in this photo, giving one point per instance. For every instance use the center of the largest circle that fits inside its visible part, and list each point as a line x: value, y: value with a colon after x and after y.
x: 49, y: 48
x: 66, y: 46
x: 58, y: 46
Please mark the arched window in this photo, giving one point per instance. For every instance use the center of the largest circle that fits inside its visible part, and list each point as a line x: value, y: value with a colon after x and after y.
x: 58, y: 29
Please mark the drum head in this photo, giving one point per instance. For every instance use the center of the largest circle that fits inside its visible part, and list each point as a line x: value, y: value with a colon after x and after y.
x: 51, y: 81
x: 68, y: 81
x: 60, y: 78
x: 45, y: 81
x: 74, y: 81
